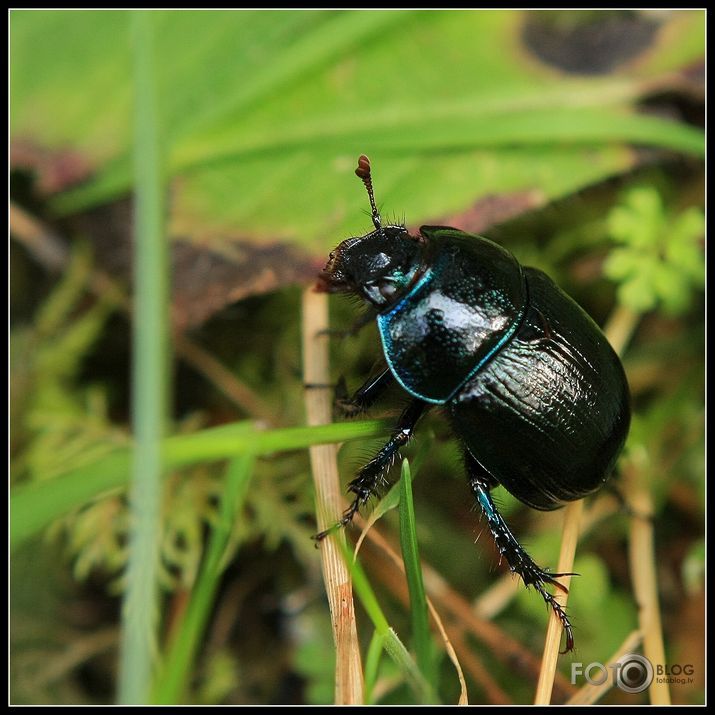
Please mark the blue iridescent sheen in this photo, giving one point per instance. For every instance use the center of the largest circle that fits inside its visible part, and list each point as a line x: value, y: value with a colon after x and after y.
x: 462, y: 311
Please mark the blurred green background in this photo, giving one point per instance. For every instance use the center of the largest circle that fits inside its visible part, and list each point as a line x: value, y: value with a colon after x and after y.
x: 575, y: 139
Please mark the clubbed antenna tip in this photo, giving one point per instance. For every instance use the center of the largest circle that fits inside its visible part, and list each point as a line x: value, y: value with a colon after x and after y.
x: 363, y: 172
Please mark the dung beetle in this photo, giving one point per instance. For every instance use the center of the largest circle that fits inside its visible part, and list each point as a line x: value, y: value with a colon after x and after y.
x: 532, y: 389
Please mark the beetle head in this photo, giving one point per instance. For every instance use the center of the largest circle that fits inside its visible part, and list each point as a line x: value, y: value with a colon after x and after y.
x: 379, y: 266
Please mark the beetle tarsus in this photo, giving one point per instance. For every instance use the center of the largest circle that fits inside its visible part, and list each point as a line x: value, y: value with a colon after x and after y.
x: 558, y: 609
x: 345, y: 519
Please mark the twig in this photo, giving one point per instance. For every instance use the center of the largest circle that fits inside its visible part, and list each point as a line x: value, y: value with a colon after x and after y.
x: 216, y: 372
x: 323, y: 459
x: 83, y: 648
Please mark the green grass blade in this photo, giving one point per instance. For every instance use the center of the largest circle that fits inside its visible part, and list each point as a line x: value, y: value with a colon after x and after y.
x: 413, y: 570
x: 33, y: 506
x: 390, y: 640
x: 140, y: 613
x: 175, y: 674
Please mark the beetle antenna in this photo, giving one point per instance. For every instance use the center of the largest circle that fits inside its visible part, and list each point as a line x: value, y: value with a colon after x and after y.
x: 363, y: 172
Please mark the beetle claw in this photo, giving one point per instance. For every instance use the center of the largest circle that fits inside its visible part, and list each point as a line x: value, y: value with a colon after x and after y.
x: 549, y: 577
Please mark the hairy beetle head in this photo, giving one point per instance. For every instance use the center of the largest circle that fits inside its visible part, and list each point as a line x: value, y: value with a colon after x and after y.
x: 379, y: 267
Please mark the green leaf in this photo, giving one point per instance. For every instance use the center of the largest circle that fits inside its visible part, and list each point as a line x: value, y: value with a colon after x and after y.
x: 372, y: 663
x: 265, y: 113
x: 660, y: 260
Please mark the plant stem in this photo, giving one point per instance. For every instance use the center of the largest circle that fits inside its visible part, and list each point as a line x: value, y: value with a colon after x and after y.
x: 323, y: 460
x: 554, y: 631
x: 641, y: 551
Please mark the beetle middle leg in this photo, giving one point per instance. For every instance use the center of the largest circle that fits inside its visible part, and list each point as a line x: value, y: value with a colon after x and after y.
x: 367, y: 480
x: 519, y: 561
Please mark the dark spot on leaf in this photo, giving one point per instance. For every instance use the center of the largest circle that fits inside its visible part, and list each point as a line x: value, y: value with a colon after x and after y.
x: 490, y: 210
x: 588, y: 42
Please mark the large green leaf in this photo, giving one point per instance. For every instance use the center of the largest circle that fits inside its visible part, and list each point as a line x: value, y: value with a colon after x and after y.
x: 264, y: 113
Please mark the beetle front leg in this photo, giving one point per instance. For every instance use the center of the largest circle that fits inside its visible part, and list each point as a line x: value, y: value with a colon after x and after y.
x: 367, y: 480
x: 519, y: 561
x: 363, y: 396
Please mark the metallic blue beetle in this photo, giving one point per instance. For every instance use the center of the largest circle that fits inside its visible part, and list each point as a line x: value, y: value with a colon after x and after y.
x: 532, y: 388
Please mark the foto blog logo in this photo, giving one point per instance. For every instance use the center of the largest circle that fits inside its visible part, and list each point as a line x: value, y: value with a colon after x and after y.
x: 632, y: 673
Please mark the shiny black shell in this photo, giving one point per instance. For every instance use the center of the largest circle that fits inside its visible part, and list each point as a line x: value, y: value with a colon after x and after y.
x: 531, y: 384
x: 461, y: 311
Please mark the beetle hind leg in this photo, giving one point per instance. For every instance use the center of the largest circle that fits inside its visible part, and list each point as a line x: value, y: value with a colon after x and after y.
x: 509, y: 547
x: 368, y: 479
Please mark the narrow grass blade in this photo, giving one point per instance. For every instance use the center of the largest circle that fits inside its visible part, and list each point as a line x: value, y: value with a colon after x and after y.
x: 413, y: 571
x: 171, y: 682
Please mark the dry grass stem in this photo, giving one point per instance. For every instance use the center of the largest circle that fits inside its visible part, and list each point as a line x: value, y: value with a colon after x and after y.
x: 641, y: 548
x: 323, y: 459
x: 554, y: 631
x: 642, y: 539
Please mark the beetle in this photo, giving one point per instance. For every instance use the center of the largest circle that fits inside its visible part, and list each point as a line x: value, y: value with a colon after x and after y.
x: 533, y: 390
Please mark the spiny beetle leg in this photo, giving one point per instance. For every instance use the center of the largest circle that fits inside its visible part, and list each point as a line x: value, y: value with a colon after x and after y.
x: 519, y: 561
x: 364, y: 396
x: 367, y: 480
